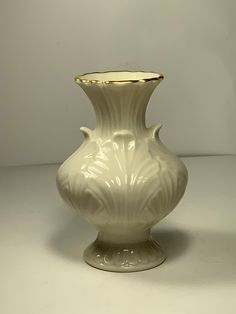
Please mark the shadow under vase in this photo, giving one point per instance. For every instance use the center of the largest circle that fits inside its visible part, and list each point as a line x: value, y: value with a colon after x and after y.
x: 147, y: 252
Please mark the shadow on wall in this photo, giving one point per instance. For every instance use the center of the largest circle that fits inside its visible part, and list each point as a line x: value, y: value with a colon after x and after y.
x: 195, y: 257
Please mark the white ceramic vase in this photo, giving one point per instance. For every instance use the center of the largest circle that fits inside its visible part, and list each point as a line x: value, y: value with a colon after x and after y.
x: 122, y: 179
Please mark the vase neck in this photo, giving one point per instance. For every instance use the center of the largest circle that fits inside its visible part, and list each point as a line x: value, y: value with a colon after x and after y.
x: 120, y: 106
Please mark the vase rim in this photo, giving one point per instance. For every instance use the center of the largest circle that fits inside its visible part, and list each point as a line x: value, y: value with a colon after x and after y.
x: 122, y: 76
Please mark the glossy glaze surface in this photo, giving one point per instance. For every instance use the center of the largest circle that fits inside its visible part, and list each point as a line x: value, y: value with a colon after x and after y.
x: 122, y: 179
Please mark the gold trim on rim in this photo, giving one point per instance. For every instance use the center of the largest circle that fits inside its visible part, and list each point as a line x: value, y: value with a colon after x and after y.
x: 80, y: 79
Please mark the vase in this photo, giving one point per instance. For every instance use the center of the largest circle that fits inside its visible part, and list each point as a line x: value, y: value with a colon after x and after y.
x: 122, y: 179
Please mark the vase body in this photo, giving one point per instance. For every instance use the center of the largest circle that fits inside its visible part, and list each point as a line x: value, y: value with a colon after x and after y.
x: 122, y: 179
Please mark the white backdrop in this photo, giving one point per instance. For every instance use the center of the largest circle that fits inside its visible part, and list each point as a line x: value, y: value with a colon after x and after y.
x: 44, y: 44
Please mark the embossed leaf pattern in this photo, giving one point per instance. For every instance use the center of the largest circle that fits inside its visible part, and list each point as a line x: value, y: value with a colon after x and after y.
x: 121, y: 175
x: 123, y: 180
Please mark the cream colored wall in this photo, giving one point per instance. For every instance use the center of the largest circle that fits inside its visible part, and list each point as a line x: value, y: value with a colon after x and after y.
x: 44, y: 44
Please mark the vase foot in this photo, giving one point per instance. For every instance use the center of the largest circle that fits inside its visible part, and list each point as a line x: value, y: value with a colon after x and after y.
x: 122, y: 257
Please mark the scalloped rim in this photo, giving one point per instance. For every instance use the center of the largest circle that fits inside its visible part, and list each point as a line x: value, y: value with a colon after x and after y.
x: 154, y: 76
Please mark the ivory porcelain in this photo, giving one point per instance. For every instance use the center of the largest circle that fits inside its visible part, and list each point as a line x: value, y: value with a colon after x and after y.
x: 122, y: 179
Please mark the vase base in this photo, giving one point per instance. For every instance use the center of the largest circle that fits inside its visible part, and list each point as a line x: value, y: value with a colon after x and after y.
x: 123, y: 257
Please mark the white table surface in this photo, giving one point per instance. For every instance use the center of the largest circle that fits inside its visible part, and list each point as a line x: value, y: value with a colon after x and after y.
x: 42, y: 240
